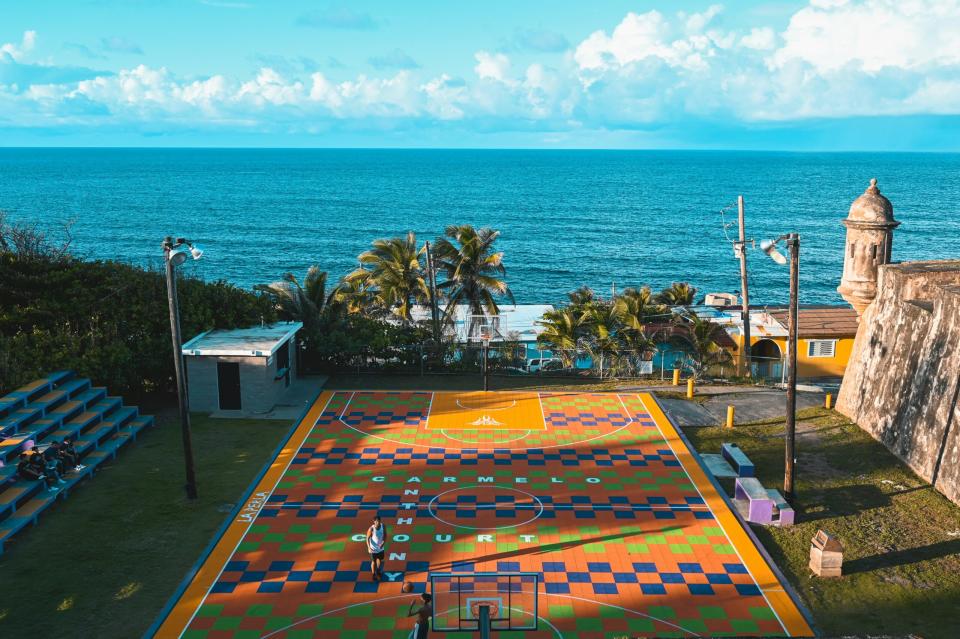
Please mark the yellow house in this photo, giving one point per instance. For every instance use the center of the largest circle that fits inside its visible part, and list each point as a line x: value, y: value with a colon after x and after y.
x: 825, y: 334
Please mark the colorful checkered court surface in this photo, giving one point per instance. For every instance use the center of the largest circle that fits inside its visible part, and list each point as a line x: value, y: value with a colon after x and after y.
x: 596, y: 493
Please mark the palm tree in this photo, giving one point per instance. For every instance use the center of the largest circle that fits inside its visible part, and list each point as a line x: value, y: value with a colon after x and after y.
x: 561, y: 330
x: 298, y: 302
x: 605, y: 338
x: 581, y: 297
x: 354, y: 294
x: 678, y: 294
x: 704, y: 337
x: 472, y: 269
x: 395, y: 273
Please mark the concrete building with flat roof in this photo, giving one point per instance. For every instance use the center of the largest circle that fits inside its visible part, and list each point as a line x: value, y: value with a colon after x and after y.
x: 244, y: 369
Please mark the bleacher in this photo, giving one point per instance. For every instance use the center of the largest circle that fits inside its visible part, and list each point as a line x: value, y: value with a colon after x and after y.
x: 50, y: 409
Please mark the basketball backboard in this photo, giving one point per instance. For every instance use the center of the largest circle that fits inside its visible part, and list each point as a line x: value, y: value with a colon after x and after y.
x: 509, y: 597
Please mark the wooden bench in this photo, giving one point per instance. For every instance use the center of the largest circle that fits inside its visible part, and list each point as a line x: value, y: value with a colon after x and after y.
x: 739, y: 460
x: 759, y: 505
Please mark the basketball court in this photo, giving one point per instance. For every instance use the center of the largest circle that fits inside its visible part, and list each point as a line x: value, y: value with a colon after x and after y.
x: 559, y: 514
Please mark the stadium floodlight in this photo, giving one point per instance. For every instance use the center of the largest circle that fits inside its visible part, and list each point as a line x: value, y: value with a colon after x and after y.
x: 178, y: 255
x: 175, y: 253
x: 770, y: 248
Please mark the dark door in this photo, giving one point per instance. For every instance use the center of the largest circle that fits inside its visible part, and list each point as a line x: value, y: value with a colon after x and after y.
x: 228, y: 376
x: 283, y: 363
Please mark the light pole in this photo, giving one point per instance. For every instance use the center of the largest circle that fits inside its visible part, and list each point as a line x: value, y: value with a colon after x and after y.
x: 175, y: 253
x: 792, y: 240
x: 741, y: 250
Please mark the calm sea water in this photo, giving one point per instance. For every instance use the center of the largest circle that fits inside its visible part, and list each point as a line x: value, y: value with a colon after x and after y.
x: 567, y: 218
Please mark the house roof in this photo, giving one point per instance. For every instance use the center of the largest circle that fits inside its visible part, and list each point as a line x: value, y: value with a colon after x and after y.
x: 257, y: 341
x: 822, y: 321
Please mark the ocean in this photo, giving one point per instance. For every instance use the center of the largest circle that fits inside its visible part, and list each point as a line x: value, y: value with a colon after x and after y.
x: 603, y: 219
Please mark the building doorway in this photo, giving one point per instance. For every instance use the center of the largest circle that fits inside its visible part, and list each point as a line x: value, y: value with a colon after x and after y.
x: 228, y: 382
x: 766, y: 360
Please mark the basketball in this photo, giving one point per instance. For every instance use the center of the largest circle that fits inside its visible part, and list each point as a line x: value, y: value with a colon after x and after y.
x: 407, y: 587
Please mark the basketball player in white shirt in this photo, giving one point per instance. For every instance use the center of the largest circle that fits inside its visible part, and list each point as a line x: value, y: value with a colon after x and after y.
x: 376, y: 539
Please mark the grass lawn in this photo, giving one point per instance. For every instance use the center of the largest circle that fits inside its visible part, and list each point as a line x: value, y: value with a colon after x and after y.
x: 901, y: 538
x: 104, y: 562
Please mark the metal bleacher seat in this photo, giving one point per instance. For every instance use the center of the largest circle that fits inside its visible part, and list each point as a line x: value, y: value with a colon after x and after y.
x: 54, y: 408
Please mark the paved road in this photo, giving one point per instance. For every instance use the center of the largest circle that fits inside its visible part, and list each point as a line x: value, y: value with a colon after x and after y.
x: 750, y: 406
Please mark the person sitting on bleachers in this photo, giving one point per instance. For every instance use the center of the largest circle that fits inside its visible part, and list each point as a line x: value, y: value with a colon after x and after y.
x: 32, y: 467
x: 68, y: 455
x: 53, y: 465
x: 52, y: 457
x: 26, y: 470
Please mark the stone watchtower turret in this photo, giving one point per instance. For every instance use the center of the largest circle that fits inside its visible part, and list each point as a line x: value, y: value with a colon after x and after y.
x: 870, y: 227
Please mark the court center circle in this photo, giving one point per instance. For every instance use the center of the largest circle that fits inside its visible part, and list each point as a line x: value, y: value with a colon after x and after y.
x: 468, y: 506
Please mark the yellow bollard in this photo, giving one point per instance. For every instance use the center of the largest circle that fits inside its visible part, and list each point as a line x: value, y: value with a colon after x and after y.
x: 828, y: 401
x: 676, y: 377
x: 730, y: 416
x: 690, y: 388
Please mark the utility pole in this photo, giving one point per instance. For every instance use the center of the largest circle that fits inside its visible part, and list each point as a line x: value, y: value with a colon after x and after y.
x: 793, y: 243
x: 434, y: 311
x: 744, y: 290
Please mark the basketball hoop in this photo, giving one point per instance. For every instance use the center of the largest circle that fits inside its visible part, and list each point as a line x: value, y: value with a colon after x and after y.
x: 493, y: 607
x: 485, y: 328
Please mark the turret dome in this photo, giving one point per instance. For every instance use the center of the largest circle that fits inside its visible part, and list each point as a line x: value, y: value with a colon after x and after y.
x: 871, y: 207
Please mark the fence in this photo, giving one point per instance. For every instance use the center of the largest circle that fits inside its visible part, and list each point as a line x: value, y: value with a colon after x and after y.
x: 524, y: 359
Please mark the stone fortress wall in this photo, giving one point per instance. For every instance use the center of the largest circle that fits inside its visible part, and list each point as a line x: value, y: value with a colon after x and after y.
x: 903, y: 379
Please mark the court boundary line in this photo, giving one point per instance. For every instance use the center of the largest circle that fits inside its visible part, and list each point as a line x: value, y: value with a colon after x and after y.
x: 656, y: 418
x: 188, y: 581
x: 629, y: 416
x: 716, y: 518
x: 784, y: 584
x: 221, y: 531
x: 765, y: 559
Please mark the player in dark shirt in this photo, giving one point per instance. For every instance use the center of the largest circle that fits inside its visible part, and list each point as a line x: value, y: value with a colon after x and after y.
x: 423, y: 614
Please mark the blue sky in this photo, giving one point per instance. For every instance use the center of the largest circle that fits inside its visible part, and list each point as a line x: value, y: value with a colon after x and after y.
x: 794, y: 75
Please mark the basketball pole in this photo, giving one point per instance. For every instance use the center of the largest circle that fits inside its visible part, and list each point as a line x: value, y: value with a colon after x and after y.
x: 486, y: 376
x: 484, y: 621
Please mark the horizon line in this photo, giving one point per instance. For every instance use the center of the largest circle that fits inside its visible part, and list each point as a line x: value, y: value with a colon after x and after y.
x: 479, y: 148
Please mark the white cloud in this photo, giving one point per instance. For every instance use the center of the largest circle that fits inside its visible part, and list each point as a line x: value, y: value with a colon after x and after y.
x: 446, y: 97
x: 492, y: 66
x: 652, y: 36
x: 833, y: 59
x: 873, y: 34
x: 17, y: 52
x: 760, y: 38
x: 269, y: 87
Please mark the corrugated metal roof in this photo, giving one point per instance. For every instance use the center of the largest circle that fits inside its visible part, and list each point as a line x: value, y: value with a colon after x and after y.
x: 822, y: 321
